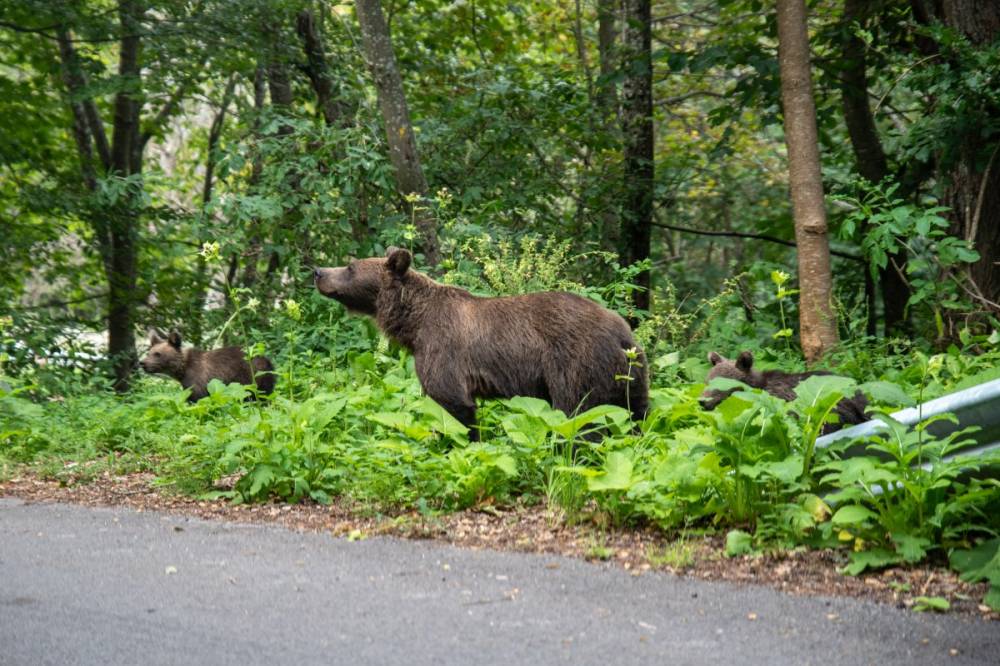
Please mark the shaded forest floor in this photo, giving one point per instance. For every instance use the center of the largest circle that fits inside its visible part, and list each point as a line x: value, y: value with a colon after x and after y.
x: 535, y: 529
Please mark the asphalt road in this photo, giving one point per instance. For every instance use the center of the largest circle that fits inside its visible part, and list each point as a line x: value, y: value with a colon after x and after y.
x: 102, y: 586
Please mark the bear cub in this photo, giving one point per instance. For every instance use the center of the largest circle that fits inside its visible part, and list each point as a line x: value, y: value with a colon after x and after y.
x: 195, y: 368
x: 556, y: 346
x: 779, y: 384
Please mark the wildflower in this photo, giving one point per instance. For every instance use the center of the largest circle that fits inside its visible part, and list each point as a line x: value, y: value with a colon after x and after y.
x: 293, y: 309
x: 210, y: 251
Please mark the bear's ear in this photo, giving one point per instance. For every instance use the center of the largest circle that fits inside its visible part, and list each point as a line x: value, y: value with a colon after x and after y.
x: 744, y: 361
x: 174, y: 339
x: 154, y: 337
x: 715, y: 358
x: 398, y: 260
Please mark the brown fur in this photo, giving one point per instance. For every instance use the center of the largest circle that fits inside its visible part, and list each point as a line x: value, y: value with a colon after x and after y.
x: 552, y: 345
x: 777, y: 383
x: 195, y: 368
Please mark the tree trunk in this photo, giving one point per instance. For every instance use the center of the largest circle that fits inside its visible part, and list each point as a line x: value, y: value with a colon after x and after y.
x: 605, y: 49
x: 817, y: 321
x: 410, y: 178
x: 202, y: 278
x: 637, y: 126
x: 870, y: 160
x: 126, y: 161
x: 607, y: 105
x: 335, y: 111
x: 972, y: 180
x: 252, y: 253
x: 116, y: 229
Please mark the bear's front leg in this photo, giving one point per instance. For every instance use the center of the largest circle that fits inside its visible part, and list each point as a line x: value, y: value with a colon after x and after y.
x: 449, y: 392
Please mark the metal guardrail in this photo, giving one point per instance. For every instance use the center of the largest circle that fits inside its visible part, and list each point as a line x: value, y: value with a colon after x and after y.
x: 976, y: 406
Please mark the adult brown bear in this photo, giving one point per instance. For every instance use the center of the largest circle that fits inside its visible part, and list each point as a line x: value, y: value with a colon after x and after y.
x: 551, y: 345
x: 195, y: 368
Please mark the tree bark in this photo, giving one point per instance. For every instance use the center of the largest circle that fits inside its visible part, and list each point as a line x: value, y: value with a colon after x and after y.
x: 126, y: 161
x: 116, y: 230
x: 202, y: 279
x: 336, y: 113
x: 870, y: 160
x: 252, y: 253
x: 607, y: 105
x: 637, y: 126
x: 605, y: 49
x: 410, y: 178
x: 972, y: 181
x: 817, y: 321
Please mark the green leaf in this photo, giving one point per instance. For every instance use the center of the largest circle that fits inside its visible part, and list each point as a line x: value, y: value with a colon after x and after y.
x: 821, y: 388
x: 853, y: 514
x: 878, y: 558
x: 616, y: 473
x: 887, y: 393
x: 738, y: 542
x: 571, y: 427
x: 979, y: 563
x: 440, y: 419
x: 911, y: 548
x: 506, y: 464
x: 940, y: 604
x: 992, y: 598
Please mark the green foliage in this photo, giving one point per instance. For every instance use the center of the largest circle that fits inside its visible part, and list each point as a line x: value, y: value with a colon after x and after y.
x: 934, y: 258
x: 981, y: 563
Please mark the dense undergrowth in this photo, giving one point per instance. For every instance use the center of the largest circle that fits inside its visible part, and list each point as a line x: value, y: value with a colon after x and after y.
x: 348, y: 421
x: 355, y: 425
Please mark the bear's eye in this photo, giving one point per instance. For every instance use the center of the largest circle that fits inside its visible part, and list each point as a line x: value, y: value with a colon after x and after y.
x: 350, y: 268
x: 156, y: 354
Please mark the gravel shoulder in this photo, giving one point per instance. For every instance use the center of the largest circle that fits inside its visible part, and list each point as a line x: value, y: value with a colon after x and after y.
x: 539, y: 531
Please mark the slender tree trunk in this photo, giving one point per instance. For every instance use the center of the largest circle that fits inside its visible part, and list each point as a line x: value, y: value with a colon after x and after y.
x: 254, y: 244
x: 606, y: 52
x: 336, y: 112
x: 607, y: 105
x: 870, y: 161
x: 410, y: 178
x: 637, y: 125
x: 282, y: 98
x: 972, y: 180
x: 202, y: 279
x: 116, y: 229
x: 817, y: 321
x: 126, y: 161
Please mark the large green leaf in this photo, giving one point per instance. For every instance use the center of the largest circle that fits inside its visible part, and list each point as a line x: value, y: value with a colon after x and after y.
x: 887, y: 393
x: 616, y: 473
x: 820, y: 391
x: 853, y: 514
x: 878, y: 558
x: 738, y: 542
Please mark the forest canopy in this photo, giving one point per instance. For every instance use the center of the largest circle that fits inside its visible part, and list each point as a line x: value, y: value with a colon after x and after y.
x: 157, y: 156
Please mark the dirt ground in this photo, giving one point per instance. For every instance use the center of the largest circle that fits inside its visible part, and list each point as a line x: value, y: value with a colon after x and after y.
x: 539, y: 530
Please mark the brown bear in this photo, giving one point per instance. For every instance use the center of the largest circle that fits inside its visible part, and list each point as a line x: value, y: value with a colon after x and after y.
x: 556, y: 346
x: 780, y: 384
x: 195, y: 368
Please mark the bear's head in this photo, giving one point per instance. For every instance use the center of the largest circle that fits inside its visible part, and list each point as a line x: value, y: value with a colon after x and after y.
x: 741, y: 370
x: 164, y: 354
x: 356, y: 286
